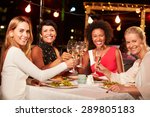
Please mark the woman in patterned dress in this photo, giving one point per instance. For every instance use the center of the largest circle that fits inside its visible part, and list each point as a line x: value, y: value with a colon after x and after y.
x: 45, y: 55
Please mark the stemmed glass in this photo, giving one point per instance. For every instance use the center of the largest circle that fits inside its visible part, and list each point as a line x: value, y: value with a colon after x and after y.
x: 81, y: 46
x: 97, y: 60
x: 71, y: 45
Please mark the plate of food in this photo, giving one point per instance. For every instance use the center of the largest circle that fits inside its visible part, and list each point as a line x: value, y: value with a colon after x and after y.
x: 107, y: 84
x: 64, y: 84
x: 60, y: 78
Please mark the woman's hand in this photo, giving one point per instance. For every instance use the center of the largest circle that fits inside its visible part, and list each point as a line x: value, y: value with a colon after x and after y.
x: 34, y: 82
x: 66, y: 56
x: 104, y: 70
x: 118, y: 88
x: 70, y: 63
x: 132, y: 90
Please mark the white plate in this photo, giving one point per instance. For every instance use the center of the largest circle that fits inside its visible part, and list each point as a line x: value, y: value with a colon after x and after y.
x: 61, y: 87
x: 47, y: 83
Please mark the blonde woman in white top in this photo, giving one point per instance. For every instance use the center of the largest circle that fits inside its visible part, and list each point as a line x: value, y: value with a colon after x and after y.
x: 138, y: 74
x: 15, y: 63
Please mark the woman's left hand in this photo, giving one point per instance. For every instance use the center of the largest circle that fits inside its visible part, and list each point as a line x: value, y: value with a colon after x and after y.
x: 117, y: 88
x: 104, y: 70
x: 33, y: 82
x: 65, y: 56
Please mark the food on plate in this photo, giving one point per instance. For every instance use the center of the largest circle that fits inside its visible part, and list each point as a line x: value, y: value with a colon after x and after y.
x: 60, y: 78
x: 55, y: 84
x: 108, y: 84
x: 61, y: 83
x: 57, y: 78
x: 66, y: 83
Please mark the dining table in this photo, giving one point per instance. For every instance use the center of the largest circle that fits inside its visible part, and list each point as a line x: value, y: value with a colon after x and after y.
x: 81, y: 92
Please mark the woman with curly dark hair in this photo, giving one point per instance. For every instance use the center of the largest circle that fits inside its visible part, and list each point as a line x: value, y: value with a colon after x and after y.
x: 99, y: 34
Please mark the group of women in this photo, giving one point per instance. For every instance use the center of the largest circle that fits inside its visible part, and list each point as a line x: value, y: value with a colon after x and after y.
x: 43, y: 61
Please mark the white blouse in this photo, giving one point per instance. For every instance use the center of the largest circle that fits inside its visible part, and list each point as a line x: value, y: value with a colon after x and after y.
x: 16, y: 69
x: 138, y: 73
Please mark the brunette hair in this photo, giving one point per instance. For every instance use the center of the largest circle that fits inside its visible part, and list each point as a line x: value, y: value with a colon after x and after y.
x: 47, y: 23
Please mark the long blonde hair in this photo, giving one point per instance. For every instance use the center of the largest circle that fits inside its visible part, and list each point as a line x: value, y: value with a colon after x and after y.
x: 10, y: 42
x: 12, y: 25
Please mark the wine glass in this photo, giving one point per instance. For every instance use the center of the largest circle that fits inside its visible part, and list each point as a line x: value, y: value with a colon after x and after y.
x: 97, y: 61
x: 71, y: 45
x: 81, y: 48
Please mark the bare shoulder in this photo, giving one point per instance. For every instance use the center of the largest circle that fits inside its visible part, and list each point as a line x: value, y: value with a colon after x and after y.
x: 36, y: 49
x: 118, y: 51
x: 57, y: 51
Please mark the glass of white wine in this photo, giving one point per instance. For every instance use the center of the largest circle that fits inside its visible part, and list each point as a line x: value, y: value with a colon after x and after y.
x: 97, y: 61
x: 81, y: 49
x: 71, y: 45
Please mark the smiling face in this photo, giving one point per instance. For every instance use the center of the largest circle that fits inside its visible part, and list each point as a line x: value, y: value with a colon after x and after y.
x: 134, y: 43
x: 48, y: 34
x: 21, y: 34
x: 98, y: 37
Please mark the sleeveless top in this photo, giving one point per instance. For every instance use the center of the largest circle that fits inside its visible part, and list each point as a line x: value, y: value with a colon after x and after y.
x: 108, y: 60
x: 49, y: 54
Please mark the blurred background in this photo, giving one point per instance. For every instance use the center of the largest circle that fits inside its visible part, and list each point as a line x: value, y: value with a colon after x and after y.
x: 70, y: 16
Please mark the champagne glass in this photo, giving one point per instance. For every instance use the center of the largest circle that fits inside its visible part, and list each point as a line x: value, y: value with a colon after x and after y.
x: 82, y: 49
x: 71, y: 45
x: 97, y: 61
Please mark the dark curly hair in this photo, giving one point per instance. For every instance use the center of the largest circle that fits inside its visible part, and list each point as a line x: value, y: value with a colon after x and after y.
x: 104, y: 25
x: 47, y: 23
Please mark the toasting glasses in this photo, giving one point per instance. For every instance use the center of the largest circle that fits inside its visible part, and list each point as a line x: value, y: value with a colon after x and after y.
x: 71, y: 48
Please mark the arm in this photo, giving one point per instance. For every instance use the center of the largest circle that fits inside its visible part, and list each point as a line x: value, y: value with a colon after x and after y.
x: 132, y: 90
x: 24, y: 64
x: 64, y: 57
x: 119, y: 61
x: 85, y: 63
x: 37, y: 58
x: 143, y: 77
x: 124, y: 77
x: 31, y: 81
